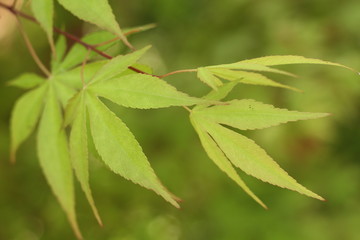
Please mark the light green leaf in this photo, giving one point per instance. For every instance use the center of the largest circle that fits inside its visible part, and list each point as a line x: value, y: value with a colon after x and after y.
x: 79, y: 155
x: 248, y: 114
x: 26, y: 81
x: 43, y: 12
x: 118, y: 64
x: 24, y: 117
x: 138, y: 29
x: 72, y: 108
x: 72, y: 78
x: 251, y: 67
x: 208, y: 78
x: 57, y: 58
x: 248, y: 78
x: 290, y: 59
x: 78, y: 53
x: 54, y: 157
x: 98, y: 12
x: 222, y: 91
x: 218, y: 157
x: 252, y: 159
x: 64, y: 92
x: 217, y: 95
x: 142, y: 91
x: 119, y: 149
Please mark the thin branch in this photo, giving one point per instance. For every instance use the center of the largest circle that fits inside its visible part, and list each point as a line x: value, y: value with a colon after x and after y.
x: 86, y: 45
x: 176, y: 72
x: 32, y: 50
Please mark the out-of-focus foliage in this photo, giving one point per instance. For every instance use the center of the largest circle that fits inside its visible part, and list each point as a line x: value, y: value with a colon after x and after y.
x: 321, y: 155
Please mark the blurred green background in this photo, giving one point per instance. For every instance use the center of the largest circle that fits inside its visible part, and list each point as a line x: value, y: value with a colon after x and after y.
x: 321, y: 154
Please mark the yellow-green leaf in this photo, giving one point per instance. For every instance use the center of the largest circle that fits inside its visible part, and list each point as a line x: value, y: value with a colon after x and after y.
x: 64, y: 92
x: 218, y: 94
x: 118, y: 64
x: 221, y: 92
x: 97, y: 12
x: 26, y: 81
x: 72, y: 108
x: 218, y: 157
x: 57, y: 58
x: 248, y: 78
x: 73, y: 79
x: 248, y: 114
x: 142, y: 91
x: 208, y: 78
x: 25, y: 115
x: 79, y: 155
x: 52, y: 148
x: 138, y: 29
x: 119, y: 149
x: 290, y: 59
x: 252, y: 159
x: 43, y: 12
x: 251, y: 67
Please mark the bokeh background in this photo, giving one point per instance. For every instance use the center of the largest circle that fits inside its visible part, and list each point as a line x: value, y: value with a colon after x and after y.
x: 321, y: 154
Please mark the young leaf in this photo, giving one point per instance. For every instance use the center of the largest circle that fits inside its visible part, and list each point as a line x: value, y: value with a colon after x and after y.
x: 119, y: 149
x: 252, y: 159
x: 250, y: 67
x: 218, y: 94
x: 72, y: 78
x: 222, y: 91
x: 79, y: 154
x: 26, y: 81
x: 54, y: 157
x: 64, y: 92
x: 43, y: 11
x: 97, y: 12
x: 138, y: 29
x: 208, y: 78
x: 57, y: 58
x: 248, y: 114
x: 218, y: 157
x: 248, y: 78
x: 290, y: 59
x: 72, y: 108
x: 25, y: 115
x: 118, y: 64
x: 142, y: 91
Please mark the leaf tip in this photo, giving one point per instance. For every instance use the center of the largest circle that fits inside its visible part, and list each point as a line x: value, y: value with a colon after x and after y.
x: 318, y: 197
x: 263, y: 205
x: 75, y: 227
x: 321, y: 115
x: 98, y: 219
x: 296, y: 89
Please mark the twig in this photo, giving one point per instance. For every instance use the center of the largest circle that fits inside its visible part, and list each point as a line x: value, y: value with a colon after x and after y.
x: 32, y: 50
x: 176, y: 72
